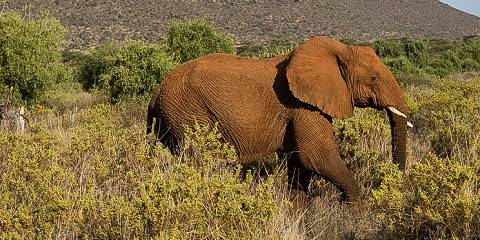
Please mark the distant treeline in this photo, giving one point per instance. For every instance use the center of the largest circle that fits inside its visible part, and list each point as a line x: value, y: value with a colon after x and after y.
x: 433, y: 57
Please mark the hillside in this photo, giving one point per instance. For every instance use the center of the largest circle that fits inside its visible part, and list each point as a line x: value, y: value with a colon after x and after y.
x: 90, y: 22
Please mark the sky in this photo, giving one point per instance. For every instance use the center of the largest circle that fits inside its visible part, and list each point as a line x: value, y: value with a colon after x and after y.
x: 469, y: 6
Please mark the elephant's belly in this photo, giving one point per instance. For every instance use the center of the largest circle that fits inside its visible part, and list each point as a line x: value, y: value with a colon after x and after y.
x: 255, y: 128
x: 254, y: 142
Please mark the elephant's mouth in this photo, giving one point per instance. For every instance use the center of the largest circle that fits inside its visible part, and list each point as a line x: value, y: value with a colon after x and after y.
x: 368, y: 102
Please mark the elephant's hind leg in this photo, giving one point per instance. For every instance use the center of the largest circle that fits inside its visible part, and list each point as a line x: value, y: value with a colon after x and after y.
x: 298, y: 179
x: 298, y: 175
x: 164, y: 134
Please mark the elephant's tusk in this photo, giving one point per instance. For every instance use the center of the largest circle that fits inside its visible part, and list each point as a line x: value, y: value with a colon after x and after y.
x: 394, y: 110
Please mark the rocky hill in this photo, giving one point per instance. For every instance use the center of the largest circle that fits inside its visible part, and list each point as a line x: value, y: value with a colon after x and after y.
x: 90, y: 22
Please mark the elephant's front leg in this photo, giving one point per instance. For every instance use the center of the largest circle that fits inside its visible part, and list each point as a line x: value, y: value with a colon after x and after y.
x: 316, y: 150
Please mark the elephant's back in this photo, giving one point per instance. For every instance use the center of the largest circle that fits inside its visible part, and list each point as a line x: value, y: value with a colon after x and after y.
x: 219, y: 74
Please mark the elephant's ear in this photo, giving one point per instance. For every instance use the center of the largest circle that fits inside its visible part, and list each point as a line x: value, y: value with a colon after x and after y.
x: 316, y: 76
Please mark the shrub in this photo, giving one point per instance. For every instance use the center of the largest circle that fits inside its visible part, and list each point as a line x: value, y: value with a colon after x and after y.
x: 201, y: 196
x: 273, y: 48
x: 30, y: 55
x: 468, y: 64
x: 450, y: 61
x: 195, y: 38
x: 435, y: 68
x: 435, y: 199
x: 434, y: 57
x: 348, y: 41
x: 401, y: 65
x: 438, y: 197
x: 403, y: 56
x: 98, y: 178
x: 447, y: 117
x: 454, y: 57
x: 363, y: 142
x: 277, y: 48
x: 388, y: 48
x: 126, y: 70
x: 416, y: 51
x: 472, y: 49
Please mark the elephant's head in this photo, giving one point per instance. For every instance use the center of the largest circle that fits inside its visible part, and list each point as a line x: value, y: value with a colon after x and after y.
x: 335, y: 77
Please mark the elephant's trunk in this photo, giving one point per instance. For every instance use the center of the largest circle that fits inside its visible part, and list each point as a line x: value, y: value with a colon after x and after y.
x: 398, y: 124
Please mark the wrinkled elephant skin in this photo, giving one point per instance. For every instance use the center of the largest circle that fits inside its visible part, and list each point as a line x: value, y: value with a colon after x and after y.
x: 283, y: 104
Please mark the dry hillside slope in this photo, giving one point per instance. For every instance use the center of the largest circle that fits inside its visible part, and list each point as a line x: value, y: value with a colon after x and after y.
x: 92, y: 21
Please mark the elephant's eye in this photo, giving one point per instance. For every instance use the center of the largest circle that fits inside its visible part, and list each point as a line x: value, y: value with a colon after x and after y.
x: 374, y: 77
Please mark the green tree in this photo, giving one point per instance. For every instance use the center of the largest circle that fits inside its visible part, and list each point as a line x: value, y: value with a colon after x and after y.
x: 127, y: 69
x: 388, y: 48
x: 192, y: 39
x: 30, y: 55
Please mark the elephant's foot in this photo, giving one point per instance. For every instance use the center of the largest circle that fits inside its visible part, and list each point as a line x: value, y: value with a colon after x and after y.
x: 351, y: 199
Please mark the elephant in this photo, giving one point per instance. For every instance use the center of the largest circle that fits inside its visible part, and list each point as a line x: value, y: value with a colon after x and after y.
x: 283, y: 104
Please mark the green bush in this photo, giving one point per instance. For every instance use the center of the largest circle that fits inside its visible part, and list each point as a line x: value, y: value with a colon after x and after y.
x: 30, y: 55
x: 448, y: 116
x: 449, y: 60
x: 388, y: 48
x: 273, y: 48
x: 436, y: 199
x: 202, y: 196
x: 195, y: 38
x: 402, y: 65
x: 126, y: 70
x: 472, y: 49
x: 416, y: 51
x: 436, y: 69
x: 97, y: 178
x: 276, y: 51
x: 468, y: 64
x: 439, y: 195
x: 434, y: 57
x: 363, y: 142
x: 454, y: 57
x: 30, y: 192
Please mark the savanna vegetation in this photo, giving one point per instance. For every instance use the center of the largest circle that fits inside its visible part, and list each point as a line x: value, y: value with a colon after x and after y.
x: 85, y: 169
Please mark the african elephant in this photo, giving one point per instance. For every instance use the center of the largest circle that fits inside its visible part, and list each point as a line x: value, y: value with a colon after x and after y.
x: 283, y: 104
